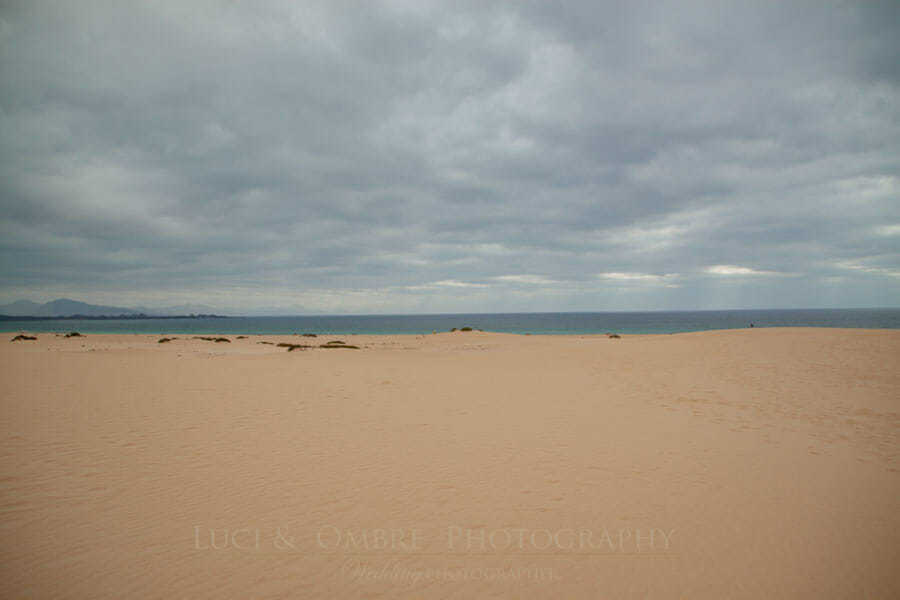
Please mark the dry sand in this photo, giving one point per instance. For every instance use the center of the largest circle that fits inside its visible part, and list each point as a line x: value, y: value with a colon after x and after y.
x: 734, y: 464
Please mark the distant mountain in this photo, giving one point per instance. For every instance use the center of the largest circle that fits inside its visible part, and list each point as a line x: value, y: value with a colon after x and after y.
x: 62, y: 307
x: 21, y: 308
x: 65, y: 307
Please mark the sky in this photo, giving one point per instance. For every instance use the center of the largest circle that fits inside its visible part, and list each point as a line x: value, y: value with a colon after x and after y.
x: 425, y: 157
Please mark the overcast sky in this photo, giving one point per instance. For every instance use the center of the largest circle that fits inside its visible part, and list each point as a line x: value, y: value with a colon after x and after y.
x: 408, y: 157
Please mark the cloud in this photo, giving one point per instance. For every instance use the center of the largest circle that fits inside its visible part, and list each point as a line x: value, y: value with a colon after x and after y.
x: 887, y: 230
x: 885, y: 271
x: 635, y: 276
x: 524, y: 279
x: 732, y: 270
x: 426, y: 157
x: 454, y: 283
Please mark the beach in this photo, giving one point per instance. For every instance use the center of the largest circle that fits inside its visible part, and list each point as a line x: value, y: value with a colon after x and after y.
x: 753, y: 463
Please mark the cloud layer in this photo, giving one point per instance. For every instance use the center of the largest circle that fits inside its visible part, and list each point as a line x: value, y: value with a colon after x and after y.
x: 427, y: 157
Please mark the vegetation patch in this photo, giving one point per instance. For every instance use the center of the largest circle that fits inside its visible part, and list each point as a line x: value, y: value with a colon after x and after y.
x: 74, y: 334
x: 23, y: 338
x: 164, y: 340
x: 292, y: 347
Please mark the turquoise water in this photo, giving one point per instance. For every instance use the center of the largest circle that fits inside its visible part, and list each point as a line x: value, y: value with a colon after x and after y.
x: 534, y: 323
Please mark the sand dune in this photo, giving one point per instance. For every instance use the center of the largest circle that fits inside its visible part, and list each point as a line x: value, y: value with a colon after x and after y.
x: 734, y: 464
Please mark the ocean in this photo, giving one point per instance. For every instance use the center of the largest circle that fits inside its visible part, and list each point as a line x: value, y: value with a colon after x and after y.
x: 531, y: 323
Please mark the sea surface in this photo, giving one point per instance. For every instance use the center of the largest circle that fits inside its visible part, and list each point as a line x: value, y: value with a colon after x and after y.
x: 531, y: 323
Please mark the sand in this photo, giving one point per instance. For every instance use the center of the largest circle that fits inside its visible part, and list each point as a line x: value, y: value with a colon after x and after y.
x: 732, y: 464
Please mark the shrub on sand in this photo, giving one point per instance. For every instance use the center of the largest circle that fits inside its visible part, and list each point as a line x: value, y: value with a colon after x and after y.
x: 292, y: 347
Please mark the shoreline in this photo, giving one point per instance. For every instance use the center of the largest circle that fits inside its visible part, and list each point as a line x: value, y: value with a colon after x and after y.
x: 186, y: 336
x: 627, y: 323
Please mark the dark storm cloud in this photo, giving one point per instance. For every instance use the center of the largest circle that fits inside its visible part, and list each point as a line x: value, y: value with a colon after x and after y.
x: 333, y: 157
